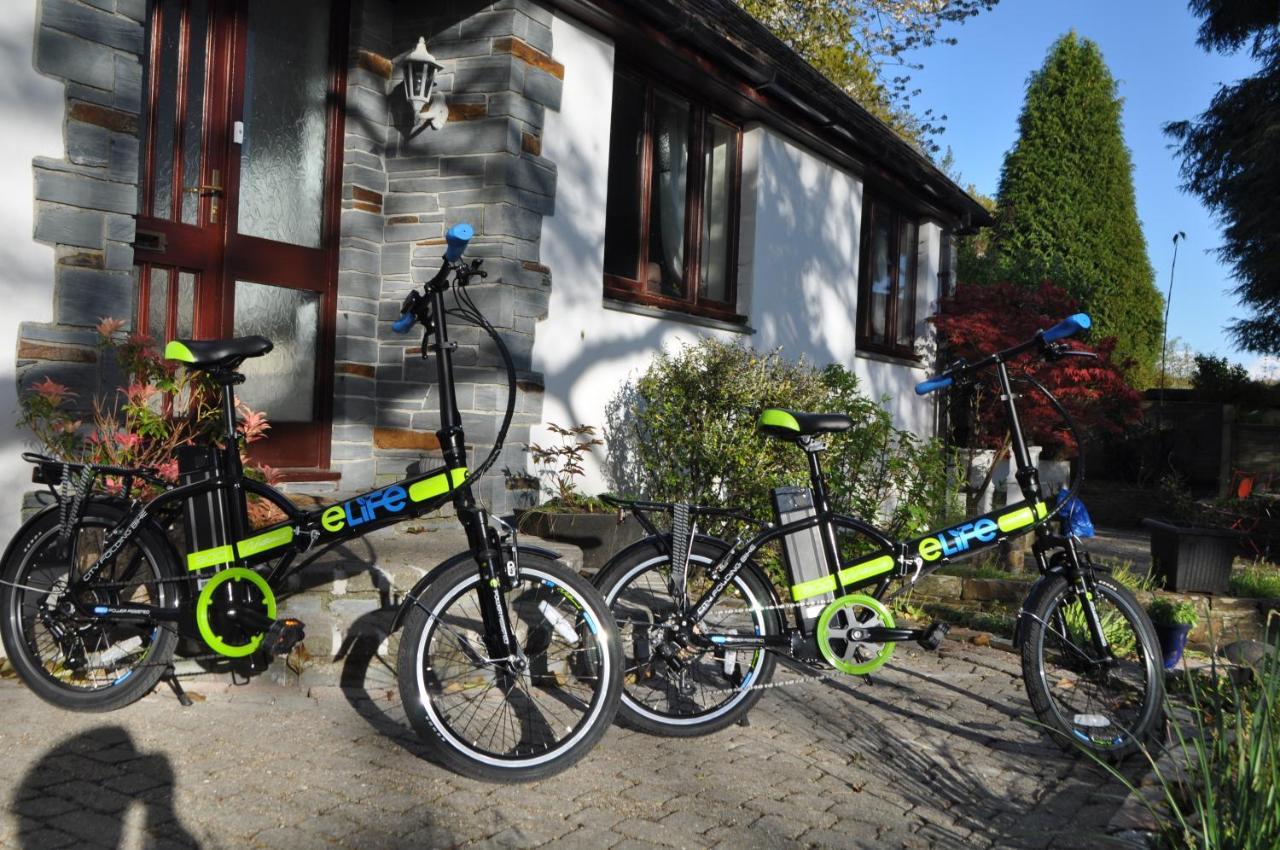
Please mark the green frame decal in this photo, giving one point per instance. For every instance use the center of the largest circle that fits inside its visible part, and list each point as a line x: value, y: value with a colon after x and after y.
x: 272, y: 539
x: 437, y: 485
x: 849, y: 576
x: 214, y: 557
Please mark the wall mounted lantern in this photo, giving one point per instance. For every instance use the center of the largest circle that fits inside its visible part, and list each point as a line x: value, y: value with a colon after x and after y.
x: 419, y: 68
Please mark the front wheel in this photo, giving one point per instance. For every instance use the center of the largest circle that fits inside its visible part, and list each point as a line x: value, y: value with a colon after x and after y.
x: 503, y: 719
x: 1108, y: 702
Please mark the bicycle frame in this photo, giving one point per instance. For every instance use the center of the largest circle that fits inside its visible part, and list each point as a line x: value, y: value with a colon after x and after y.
x: 892, y: 559
x: 303, y: 531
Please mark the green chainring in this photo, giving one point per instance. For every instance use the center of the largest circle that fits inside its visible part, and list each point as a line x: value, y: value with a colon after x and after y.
x: 857, y: 610
x: 206, y: 601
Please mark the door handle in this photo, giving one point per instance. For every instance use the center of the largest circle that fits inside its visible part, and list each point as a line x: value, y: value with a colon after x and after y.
x: 208, y: 189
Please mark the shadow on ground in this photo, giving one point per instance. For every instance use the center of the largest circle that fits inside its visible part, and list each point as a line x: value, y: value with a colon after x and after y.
x: 98, y: 789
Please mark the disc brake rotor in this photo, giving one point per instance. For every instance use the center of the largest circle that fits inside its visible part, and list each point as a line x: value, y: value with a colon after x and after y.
x: 838, y: 625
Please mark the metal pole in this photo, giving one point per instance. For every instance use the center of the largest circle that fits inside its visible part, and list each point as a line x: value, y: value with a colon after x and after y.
x: 1164, y: 342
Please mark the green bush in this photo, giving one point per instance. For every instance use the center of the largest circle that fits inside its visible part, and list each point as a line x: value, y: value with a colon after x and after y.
x: 1257, y: 581
x: 1167, y: 612
x: 685, y: 430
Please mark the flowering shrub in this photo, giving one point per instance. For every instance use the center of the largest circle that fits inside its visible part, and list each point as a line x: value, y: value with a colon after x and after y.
x: 159, y: 407
x: 982, y: 318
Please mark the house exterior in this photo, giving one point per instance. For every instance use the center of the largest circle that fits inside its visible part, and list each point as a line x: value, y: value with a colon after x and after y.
x: 639, y: 174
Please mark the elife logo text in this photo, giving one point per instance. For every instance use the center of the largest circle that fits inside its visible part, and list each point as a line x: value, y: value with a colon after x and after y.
x: 953, y: 541
x: 375, y: 505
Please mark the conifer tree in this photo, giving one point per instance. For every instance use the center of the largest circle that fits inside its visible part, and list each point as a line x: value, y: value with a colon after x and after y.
x: 1067, y: 211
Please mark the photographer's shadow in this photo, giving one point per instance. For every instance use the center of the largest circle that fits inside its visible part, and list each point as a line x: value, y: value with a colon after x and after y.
x: 98, y: 788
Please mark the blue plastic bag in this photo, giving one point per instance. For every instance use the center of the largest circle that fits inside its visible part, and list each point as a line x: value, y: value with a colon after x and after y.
x: 1076, y: 517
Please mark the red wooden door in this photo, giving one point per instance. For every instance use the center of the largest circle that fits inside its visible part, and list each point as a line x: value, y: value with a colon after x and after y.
x: 239, y: 201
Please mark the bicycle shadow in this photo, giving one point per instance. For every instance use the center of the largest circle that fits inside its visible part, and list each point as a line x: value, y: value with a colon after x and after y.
x: 922, y: 755
x: 99, y: 789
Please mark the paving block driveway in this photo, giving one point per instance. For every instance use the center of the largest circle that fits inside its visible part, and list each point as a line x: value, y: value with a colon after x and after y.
x: 937, y: 753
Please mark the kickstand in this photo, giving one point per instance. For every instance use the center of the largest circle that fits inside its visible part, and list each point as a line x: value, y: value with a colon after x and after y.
x: 172, y: 678
x: 743, y: 721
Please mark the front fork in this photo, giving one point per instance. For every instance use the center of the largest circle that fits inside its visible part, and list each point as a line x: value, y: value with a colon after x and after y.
x: 1077, y: 569
x: 499, y: 572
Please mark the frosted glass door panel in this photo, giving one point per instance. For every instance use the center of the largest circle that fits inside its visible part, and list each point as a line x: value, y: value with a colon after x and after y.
x: 282, y: 157
x: 283, y: 382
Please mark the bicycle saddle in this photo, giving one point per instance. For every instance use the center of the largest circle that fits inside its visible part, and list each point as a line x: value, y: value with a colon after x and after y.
x: 216, y: 353
x: 789, y: 424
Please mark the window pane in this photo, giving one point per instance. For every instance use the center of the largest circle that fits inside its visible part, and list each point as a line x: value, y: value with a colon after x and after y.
x: 906, y: 331
x: 717, y: 213
x: 881, y: 276
x: 668, y: 195
x: 622, y: 215
x: 186, y: 304
x: 283, y: 382
x: 193, y: 125
x: 286, y: 93
x: 170, y: 12
x: 158, y: 305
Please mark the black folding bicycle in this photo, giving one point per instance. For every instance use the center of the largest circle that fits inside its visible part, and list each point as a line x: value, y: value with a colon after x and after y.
x: 509, y: 665
x: 701, y: 625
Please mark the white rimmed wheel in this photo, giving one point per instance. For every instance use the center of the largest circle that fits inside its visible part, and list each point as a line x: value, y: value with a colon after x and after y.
x: 510, y: 719
x: 678, y: 690
x: 1111, y: 702
x: 76, y: 662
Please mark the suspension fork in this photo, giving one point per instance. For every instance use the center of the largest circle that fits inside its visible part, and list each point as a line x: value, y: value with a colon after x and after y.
x: 1081, y: 580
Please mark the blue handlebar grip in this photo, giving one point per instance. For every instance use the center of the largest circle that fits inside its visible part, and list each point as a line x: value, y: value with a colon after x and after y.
x: 939, y: 383
x: 402, y: 324
x: 1069, y: 326
x: 457, y: 238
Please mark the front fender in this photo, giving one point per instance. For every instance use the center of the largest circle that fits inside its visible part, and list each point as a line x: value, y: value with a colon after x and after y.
x: 411, y: 598
x: 1032, y: 600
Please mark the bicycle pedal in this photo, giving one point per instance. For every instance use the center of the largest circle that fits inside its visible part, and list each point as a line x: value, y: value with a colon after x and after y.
x: 283, y: 635
x: 933, y: 636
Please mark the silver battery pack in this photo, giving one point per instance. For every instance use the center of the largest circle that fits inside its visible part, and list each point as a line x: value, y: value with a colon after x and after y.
x: 802, y: 550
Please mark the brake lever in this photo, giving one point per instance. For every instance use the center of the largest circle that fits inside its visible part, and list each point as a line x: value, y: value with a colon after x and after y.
x: 1057, y: 350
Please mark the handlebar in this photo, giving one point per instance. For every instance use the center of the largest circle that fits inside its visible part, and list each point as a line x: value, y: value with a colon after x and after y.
x: 1068, y: 327
x: 455, y: 244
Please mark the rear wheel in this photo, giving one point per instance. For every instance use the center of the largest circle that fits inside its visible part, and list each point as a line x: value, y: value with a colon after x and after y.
x: 76, y: 662
x: 497, y: 720
x: 1106, y: 702
x: 675, y: 690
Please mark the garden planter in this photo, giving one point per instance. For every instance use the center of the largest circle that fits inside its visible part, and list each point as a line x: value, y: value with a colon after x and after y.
x: 1173, y: 640
x: 599, y: 536
x: 1191, y: 558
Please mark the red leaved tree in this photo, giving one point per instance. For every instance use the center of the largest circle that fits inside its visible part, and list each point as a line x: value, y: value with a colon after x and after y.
x: 982, y: 318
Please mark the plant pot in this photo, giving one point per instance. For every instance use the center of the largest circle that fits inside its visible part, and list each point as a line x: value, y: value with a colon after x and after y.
x: 1173, y: 640
x: 1191, y: 559
x: 599, y: 536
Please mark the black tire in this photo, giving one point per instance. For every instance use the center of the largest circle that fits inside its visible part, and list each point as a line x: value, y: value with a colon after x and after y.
x: 723, y: 690
x: 1113, y: 709
x: 452, y: 693
x: 95, y: 666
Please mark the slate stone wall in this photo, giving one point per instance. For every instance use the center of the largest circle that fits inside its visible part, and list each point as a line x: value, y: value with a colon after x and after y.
x: 85, y: 202
x: 400, y: 191
x: 484, y: 167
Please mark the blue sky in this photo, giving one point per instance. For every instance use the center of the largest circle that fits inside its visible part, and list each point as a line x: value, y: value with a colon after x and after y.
x: 1163, y: 75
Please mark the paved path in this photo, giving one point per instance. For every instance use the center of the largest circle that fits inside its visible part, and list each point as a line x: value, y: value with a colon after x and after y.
x: 933, y: 755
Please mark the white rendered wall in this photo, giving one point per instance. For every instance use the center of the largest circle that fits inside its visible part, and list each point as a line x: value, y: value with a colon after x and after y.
x: 798, y: 260
x: 32, y: 106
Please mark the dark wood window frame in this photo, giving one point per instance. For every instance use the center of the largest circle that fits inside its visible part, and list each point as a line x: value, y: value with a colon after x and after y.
x: 635, y: 289
x: 893, y: 347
